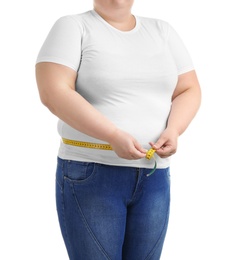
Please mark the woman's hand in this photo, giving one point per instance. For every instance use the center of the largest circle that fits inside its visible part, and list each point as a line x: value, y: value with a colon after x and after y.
x: 166, y: 144
x: 125, y: 146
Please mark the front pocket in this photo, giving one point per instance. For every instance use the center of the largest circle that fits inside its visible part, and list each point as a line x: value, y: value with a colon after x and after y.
x: 79, y: 171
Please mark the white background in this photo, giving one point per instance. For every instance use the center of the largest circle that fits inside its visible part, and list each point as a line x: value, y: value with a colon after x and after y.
x: 205, y: 220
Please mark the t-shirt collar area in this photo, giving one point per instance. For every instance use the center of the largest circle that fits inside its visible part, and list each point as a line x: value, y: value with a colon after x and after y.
x: 94, y: 13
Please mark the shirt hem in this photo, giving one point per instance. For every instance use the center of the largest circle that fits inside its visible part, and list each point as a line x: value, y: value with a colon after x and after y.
x: 58, y: 61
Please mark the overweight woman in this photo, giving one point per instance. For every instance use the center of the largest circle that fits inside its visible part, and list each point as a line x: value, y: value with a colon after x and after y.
x: 124, y: 89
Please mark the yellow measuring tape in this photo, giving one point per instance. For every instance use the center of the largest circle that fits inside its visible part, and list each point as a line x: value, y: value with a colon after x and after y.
x: 87, y: 144
x: 149, y: 155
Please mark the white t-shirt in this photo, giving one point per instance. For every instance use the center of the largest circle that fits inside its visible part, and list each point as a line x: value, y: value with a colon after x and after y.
x: 129, y: 76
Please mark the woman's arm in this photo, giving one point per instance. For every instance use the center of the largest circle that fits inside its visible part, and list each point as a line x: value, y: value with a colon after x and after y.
x: 186, y: 100
x: 56, y: 84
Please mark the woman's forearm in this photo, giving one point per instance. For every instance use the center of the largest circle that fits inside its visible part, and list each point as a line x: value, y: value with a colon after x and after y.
x: 186, y: 100
x: 184, y: 108
x: 73, y: 109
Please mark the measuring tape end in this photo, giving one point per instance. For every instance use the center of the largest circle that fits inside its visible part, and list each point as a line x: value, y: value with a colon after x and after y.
x: 150, y: 153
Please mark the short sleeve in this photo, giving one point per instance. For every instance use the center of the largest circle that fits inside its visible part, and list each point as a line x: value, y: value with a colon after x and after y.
x: 63, y: 44
x: 179, y: 52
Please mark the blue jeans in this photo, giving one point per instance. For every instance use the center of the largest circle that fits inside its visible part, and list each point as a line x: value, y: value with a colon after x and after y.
x: 112, y: 212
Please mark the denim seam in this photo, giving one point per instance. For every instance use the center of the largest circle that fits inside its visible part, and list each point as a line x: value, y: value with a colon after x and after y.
x: 59, y: 185
x: 137, y: 187
x: 156, y: 245
x: 64, y: 218
x: 100, y: 247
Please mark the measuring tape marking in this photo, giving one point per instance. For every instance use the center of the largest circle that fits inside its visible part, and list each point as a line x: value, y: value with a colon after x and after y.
x: 87, y: 144
x: 150, y: 153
